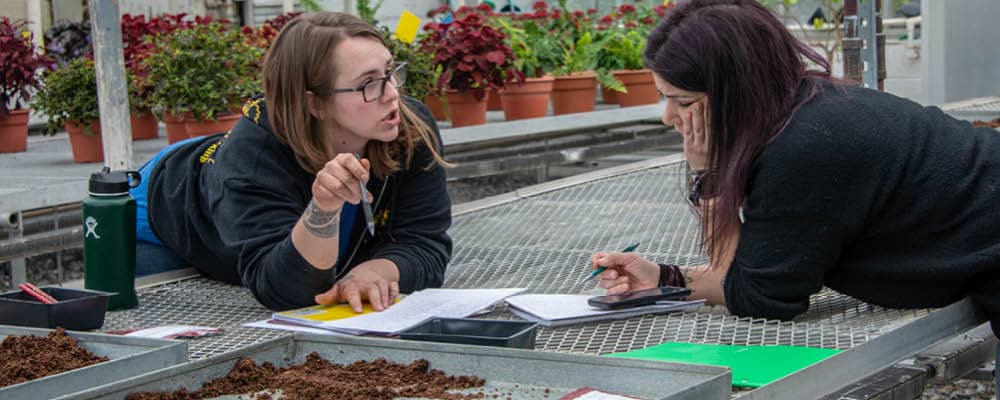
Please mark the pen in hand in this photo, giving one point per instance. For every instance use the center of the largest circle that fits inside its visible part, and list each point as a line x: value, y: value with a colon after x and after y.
x: 600, y: 269
x: 366, y: 204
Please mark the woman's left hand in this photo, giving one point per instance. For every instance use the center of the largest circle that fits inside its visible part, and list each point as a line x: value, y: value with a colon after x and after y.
x: 363, y: 282
x: 694, y: 130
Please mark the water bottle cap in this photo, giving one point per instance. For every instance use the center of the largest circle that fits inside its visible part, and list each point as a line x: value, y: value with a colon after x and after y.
x: 109, y: 182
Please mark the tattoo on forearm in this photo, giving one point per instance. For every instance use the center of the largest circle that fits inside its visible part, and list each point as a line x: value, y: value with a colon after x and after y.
x: 321, y: 223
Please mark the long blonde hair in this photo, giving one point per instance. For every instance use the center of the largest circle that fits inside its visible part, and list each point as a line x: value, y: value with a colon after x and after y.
x: 299, y: 61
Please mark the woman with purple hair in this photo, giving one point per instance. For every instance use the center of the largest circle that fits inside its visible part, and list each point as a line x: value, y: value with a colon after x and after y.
x: 802, y: 181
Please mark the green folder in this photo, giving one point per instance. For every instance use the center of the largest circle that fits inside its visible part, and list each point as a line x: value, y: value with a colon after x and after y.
x: 752, y: 366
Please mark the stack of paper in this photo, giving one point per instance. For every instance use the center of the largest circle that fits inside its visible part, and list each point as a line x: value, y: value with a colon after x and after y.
x: 565, y: 309
x: 411, y: 310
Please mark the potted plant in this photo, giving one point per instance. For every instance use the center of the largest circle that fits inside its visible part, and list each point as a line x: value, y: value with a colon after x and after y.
x: 575, y: 83
x: 473, y: 57
x: 143, y: 122
x: 536, y: 55
x: 203, y: 72
x: 69, y: 99
x: 21, y: 67
x: 423, y: 74
x: 575, y: 86
x: 621, y: 53
x: 137, y: 44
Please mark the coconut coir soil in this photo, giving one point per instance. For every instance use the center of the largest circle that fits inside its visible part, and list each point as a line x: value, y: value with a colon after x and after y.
x: 320, y: 379
x: 23, y: 358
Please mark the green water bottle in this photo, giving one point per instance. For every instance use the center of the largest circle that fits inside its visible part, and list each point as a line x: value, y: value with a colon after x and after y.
x: 109, y: 236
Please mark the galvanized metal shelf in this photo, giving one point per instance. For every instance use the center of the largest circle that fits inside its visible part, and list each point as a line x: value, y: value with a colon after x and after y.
x: 541, y: 238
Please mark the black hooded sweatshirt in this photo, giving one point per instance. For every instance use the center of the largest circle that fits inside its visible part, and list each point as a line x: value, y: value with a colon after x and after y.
x: 227, y: 206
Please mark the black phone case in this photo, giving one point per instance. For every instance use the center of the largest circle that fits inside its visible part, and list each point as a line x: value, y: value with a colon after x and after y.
x: 665, y: 293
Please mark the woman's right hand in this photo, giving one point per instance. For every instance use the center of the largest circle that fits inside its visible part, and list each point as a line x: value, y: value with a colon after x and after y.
x: 694, y: 130
x: 626, y: 272
x: 340, y: 180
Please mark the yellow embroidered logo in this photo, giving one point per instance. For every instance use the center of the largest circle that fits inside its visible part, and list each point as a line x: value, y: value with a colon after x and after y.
x: 206, y: 157
x: 251, y: 109
x: 382, y: 218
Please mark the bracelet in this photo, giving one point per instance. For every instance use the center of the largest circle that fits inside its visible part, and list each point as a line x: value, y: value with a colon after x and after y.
x: 671, y: 275
x: 696, y: 191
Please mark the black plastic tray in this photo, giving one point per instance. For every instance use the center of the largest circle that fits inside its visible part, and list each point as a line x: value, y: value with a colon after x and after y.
x: 484, y: 332
x: 77, y: 309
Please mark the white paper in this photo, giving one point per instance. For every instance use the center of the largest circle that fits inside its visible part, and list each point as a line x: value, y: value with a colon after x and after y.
x: 289, y: 327
x: 562, y: 309
x: 421, y: 306
x: 169, y: 331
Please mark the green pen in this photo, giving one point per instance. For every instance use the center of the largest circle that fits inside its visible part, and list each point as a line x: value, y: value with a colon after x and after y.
x: 597, y: 271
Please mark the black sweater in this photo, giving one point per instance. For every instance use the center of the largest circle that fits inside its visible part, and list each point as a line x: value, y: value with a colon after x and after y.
x: 228, y: 204
x: 876, y: 197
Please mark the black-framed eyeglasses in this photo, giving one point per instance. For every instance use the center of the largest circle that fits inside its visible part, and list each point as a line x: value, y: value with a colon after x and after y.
x: 375, y: 88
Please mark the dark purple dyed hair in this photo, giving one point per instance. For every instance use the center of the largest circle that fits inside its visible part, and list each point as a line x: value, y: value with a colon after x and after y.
x: 755, y: 75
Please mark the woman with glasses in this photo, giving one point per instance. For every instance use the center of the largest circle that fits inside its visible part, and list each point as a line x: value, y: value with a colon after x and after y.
x: 801, y: 181
x: 330, y: 189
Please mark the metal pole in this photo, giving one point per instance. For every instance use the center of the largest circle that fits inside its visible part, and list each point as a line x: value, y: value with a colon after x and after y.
x: 852, y: 43
x: 18, y: 266
x: 35, y: 22
x: 112, y: 95
x: 869, y: 33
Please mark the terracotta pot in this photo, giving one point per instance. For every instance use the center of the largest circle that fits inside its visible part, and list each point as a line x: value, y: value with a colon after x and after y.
x: 609, y: 96
x: 436, y: 104
x: 86, y: 147
x: 640, y: 86
x: 222, y: 123
x: 176, y: 131
x: 574, y: 93
x: 527, y: 100
x: 144, y: 126
x: 14, y: 132
x: 493, y: 102
x: 465, y: 108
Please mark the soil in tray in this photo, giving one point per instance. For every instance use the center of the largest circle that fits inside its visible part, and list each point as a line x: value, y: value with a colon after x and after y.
x: 320, y: 379
x: 989, y: 124
x: 23, y: 358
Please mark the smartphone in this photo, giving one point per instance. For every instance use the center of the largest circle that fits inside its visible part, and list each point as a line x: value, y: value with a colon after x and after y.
x: 638, y: 298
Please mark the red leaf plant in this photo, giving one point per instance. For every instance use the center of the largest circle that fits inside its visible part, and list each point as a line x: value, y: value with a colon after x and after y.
x: 22, y: 64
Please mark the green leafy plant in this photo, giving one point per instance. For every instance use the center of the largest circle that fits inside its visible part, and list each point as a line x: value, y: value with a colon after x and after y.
x: 622, y: 49
x: 69, y: 95
x: 366, y: 11
x: 311, y: 5
x: 536, y: 52
x: 578, y: 56
x: 207, y: 70
x: 421, y: 72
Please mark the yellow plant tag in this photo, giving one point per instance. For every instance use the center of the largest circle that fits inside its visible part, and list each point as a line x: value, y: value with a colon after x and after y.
x: 406, y: 29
